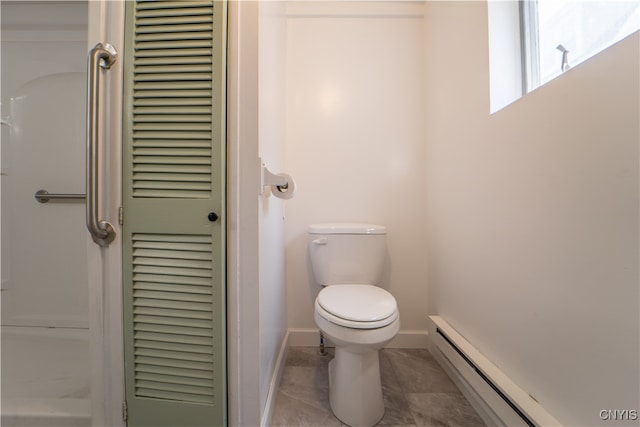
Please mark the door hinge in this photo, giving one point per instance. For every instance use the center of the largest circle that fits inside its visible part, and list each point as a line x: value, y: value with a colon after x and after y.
x: 125, y: 412
x: 120, y: 215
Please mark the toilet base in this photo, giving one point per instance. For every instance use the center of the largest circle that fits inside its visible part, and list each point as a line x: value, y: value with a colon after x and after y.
x: 355, y: 389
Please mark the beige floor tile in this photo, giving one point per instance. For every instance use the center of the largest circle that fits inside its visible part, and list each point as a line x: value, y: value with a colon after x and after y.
x: 290, y: 412
x: 415, y: 389
x: 307, y: 384
x: 443, y: 410
x: 418, y: 372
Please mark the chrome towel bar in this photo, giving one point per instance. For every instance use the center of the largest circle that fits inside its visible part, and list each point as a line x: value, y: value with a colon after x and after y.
x: 43, y: 196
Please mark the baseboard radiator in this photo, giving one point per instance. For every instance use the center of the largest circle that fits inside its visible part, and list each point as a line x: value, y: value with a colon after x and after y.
x: 498, y: 399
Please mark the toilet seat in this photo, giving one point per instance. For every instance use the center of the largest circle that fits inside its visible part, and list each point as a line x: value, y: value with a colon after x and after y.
x: 357, y: 306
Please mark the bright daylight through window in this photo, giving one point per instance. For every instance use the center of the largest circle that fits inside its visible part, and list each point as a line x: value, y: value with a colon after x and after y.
x: 559, y: 34
x: 534, y: 41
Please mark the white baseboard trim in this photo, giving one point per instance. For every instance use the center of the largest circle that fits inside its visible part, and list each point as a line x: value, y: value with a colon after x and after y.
x: 496, y: 398
x: 485, y: 412
x: 309, y: 337
x: 274, y: 385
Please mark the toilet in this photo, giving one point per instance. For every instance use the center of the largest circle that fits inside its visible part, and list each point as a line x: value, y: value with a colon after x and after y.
x: 356, y: 315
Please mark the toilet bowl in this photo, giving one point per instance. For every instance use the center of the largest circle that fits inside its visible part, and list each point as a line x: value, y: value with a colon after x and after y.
x: 355, y: 388
x: 358, y: 317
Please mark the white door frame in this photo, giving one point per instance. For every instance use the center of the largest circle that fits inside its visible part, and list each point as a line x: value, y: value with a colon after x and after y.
x: 106, y: 25
x: 243, y: 184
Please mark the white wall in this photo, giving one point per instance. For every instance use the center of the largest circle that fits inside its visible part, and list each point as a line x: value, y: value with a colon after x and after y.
x: 355, y: 142
x: 533, y: 217
x: 257, y: 304
x: 273, y: 304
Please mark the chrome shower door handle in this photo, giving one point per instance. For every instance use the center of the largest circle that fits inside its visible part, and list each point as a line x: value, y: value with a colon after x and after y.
x: 100, y: 57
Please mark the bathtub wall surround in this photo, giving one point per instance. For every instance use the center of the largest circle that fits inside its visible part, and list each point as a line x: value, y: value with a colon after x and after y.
x: 54, y: 294
x: 44, y: 58
x: 45, y: 310
x: 45, y: 377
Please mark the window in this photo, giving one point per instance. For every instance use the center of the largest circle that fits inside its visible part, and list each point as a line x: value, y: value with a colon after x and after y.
x: 559, y: 34
x: 533, y: 41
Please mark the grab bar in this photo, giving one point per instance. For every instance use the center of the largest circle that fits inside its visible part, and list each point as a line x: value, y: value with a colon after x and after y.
x: 101, y: 56
x: 43, y: 196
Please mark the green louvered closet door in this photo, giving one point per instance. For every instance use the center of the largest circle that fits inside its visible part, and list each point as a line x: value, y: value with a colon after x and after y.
x: 173, y: 189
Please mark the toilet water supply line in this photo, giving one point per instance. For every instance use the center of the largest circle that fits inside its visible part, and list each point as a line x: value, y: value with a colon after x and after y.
x: 322, y: 351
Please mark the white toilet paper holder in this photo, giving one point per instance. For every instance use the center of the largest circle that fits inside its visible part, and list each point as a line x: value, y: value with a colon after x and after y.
x: 277, y: 182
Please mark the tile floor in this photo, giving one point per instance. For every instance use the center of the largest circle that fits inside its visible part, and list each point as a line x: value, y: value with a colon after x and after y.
x: 416, y: 391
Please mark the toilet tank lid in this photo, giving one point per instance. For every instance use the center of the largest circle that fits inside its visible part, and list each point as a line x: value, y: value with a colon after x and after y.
x: 347, y: 228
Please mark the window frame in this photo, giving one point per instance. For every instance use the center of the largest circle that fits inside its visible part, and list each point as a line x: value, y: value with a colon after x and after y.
x: 531, y: 65
x: 529, y: 45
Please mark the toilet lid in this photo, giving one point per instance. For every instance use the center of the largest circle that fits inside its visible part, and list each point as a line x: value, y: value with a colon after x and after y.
x: 360, y: 303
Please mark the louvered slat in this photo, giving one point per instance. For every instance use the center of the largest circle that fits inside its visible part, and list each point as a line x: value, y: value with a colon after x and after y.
x: 179, y: 388
x: 178, y: 27
x: 185, y: 348
x: 166, y: 252
x: 169, y: 134
x: 174, y: 380
x: 173, y: 363
x: 173, y: 319
x: 172, y: 296
x: 159, y: 394
x: 176, y: 177
x: 170, y: 370
x: 173, y: 242
x: 161, y: 337
x: 178, y: 169
x: 171, y: 312
x: 172, y: 60
x: 194, y: 52
x: 161, y: 320
x: 155, y: 37
x: 141, y: 86
x: 178, y: 5
x: 175, y: 101
x: 172, y: 20
x: 170, y: 77
x: 172, y: 74
x: 158, y: 117
x: 182, y: 161
x: 171, y: 98
x: 181, y: 70
x: 170, y: 287
x: 142, y: 46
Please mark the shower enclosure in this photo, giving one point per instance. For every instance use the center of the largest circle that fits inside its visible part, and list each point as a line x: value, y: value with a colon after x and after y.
x: 57, y: 293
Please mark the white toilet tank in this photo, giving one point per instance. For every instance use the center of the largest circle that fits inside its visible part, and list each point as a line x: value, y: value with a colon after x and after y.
x: 347, y: 253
